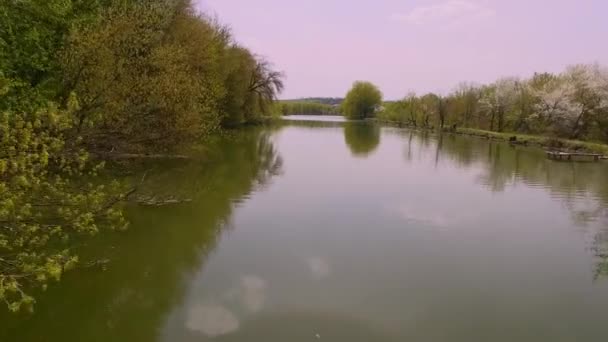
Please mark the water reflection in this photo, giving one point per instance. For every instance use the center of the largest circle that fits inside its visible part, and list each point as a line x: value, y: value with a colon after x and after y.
x: 435, y: 238
x: 213, y: 319
x: 422, y: 212
x: 251, y: 293
x: 148, y: 266
x: 581, y: 187
x: 319, y: 267
x: 362, y: 138
x: 298, y: 326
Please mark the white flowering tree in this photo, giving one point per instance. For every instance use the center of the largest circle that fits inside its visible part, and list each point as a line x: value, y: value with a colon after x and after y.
x: 574, y: 101
x: 498, y: 99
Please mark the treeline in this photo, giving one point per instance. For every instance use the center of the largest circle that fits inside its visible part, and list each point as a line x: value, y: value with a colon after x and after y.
x: 570, y: 105
x: 323, y: 100
x: 82, y: 77
x: 306, y: 108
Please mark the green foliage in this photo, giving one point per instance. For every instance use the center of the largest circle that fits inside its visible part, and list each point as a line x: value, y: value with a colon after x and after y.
x: 252, y: 87
x: 414, y: 111
x: 307, y: 108
x: 157, y: 74
x: 31, y: 33
x: 264, y: 86
x: 362, y: 101
x: 571, y: 105
x: 81, y: 77
x: 147, y: 76
x: 239, y: 68
x: 45, y: 202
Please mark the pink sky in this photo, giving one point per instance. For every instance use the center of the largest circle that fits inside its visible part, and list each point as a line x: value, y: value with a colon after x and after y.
x: 414, y: 45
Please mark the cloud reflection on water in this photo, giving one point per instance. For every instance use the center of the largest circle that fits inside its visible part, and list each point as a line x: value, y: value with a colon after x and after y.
x: 439, y: 216
x: 319, y: 267
x: 213, y: 319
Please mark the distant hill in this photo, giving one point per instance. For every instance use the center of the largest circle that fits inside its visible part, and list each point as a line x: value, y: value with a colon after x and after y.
x: 322, y: 100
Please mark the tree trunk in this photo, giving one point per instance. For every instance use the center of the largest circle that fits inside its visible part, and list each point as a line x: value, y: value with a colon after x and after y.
x: 575, y: 133
x: 501, y: 119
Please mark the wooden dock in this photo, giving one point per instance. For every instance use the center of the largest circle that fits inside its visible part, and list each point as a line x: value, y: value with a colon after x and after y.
x: 572, y: 156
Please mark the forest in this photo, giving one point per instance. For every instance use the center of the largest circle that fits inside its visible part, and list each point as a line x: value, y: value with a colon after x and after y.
x: 84, y: 80
x: 569, y: 105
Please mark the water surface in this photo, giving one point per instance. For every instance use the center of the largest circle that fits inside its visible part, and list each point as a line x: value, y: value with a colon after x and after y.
x: 345, y: 231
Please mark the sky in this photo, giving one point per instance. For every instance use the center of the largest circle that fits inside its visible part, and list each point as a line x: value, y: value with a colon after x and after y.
x: 323, y: 46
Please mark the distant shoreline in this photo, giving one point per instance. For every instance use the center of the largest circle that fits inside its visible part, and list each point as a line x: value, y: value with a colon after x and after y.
x: 516, y: 138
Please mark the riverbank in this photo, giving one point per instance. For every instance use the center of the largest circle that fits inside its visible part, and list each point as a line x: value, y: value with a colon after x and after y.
x: 538, y: 140
x: 520, y: 139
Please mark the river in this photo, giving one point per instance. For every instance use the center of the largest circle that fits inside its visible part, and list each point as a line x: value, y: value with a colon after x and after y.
x: 345, y: 231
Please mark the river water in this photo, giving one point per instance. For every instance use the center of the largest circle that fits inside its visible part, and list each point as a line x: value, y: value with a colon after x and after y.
x: 345, y: 231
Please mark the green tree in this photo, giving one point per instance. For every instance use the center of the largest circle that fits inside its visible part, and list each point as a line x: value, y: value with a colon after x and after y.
x: 82, y: 76
x: 264, y: 86
x: 47, y: 202
x: 362, y: 101
x: 31, y: 32
x: 429, y: 106
x: 147, y: 75
x: 239, y: 65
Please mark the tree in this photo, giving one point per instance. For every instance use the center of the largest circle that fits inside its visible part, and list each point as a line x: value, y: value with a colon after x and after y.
x: 429, y: 104
x: 362, y: 101
x: 147, y: 75
x: 239, y: 66
x: 252, y: 87
x: 264, y: 86
x: 523, y: 107
x: 442, y: 110
x: 498, y: 100
x: 553, y: 104
x: 411, y: 101
x: 466, y: 101
x: 573, y: 102
x: 81, y: 76
x: 45, y: 204
x: 588, y: 97
x: 397, y: 111
x: 31, y: 33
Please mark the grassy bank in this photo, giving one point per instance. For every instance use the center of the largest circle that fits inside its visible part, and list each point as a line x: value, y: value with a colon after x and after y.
x: 526, y: 140
x: 538, y: 140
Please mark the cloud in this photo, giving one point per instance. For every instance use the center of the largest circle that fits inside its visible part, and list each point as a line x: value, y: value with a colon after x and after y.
x: 449, y: 11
